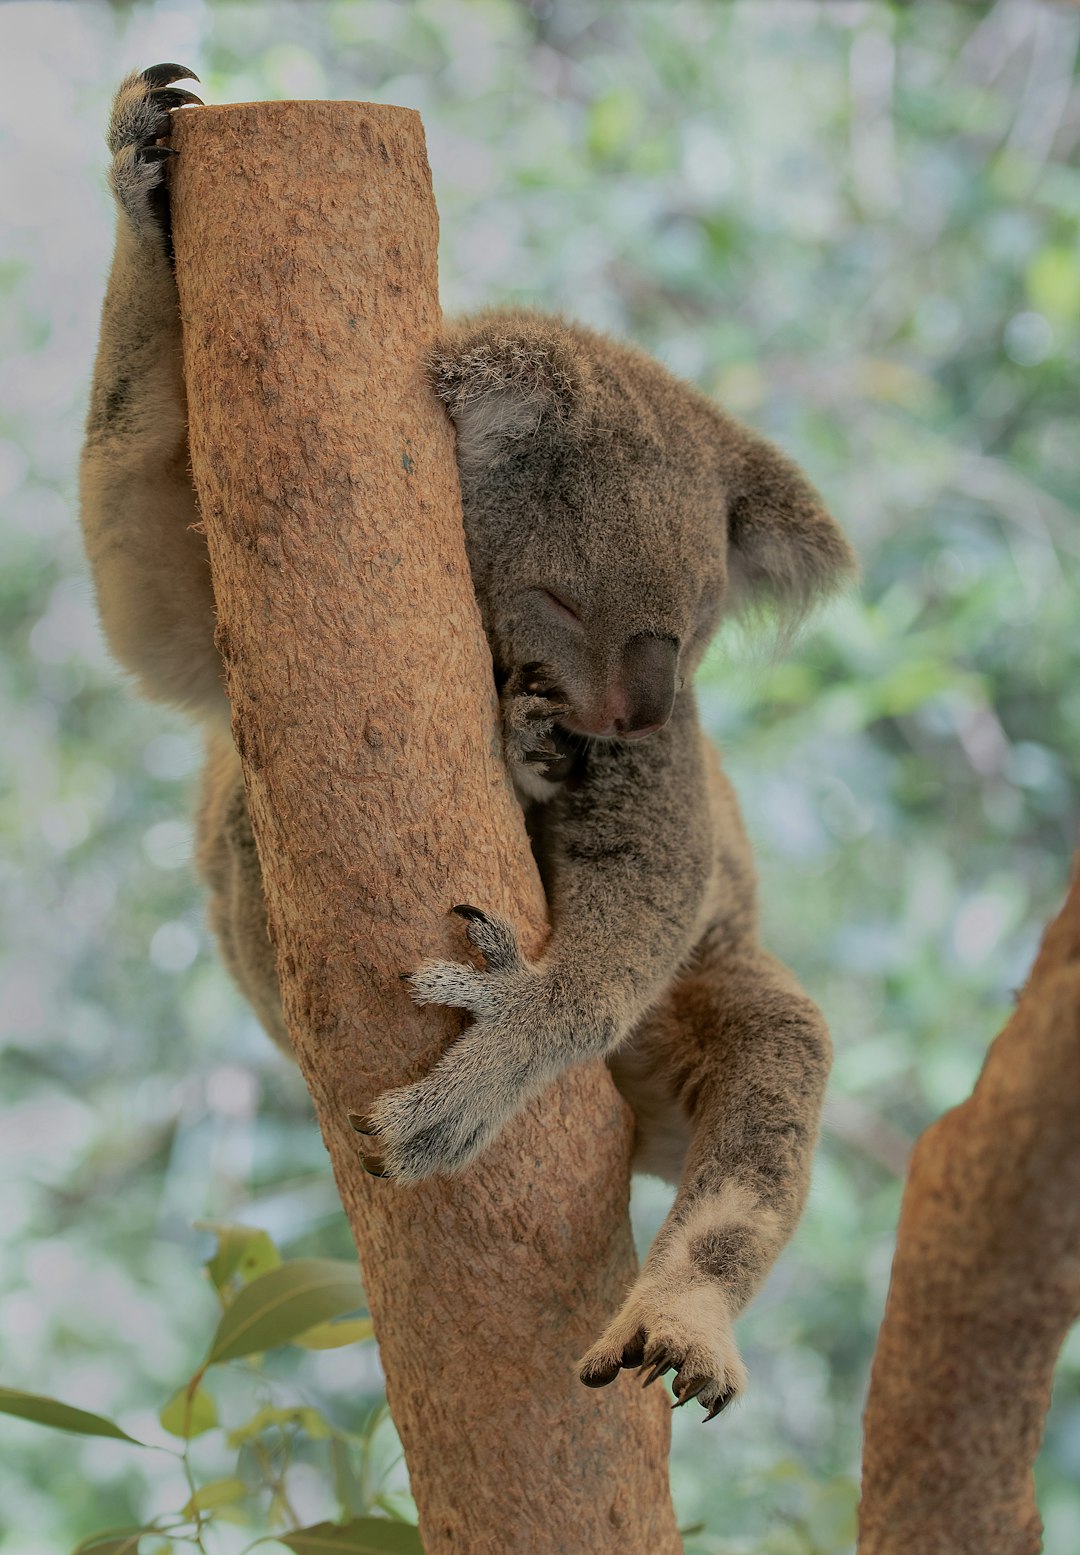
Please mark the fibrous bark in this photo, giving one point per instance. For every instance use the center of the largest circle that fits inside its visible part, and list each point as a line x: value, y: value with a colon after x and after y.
x: 985, y: 1285
x: 364, y: 712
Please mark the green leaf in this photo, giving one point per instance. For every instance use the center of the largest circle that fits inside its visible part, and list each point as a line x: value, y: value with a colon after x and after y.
x: 309, y: 1420
x: 117, y: 1541
x: 363, y: 1536
x: 216, y: 1492
x: 62, y: 1417
x: 287, y: 1301
x: 243, y: 1253
x: 187, y: 1416
x: 347, y: 1484
x: 331, y: 1336
x: 1053, y: 282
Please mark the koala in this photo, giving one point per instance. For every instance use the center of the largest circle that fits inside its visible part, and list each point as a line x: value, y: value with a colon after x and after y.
x: 613, y: 517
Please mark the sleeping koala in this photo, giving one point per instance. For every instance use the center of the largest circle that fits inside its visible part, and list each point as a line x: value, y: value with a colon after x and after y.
x: 613, y: 517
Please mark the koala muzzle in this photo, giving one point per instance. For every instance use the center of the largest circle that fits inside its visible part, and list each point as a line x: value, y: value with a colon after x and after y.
x: 647, y: 685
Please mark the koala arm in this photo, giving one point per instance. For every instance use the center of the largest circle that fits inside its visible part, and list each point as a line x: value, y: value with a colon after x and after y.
x: 139, y: 514
x: 628, y: 858
x: 628, y: 866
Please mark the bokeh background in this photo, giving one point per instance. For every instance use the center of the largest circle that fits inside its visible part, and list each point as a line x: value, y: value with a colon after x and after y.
x: 857, y: 224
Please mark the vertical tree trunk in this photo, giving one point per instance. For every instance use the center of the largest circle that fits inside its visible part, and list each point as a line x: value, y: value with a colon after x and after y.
x: 364, y: 712
x: 985, y: 1285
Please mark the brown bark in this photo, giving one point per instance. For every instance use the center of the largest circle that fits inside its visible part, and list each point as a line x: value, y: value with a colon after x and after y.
x: 985, y: 1285
x: 364, y: 711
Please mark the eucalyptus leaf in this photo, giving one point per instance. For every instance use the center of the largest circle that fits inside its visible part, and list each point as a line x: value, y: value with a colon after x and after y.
x: 308, y: 1419
x: 186, y: 1416
x: 285, y: 1302
x: 347, y: 1483
x: 118, y: 1541
x: 62, y: 1417
x: 215, y: 1493
x: 243, y: 1252
x: 332, y: 1336
x: 362, y: 1536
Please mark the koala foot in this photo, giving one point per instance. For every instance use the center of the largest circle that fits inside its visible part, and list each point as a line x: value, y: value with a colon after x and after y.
x: 662, y: 1328
x: 444, y: 1120
x: 139, y: 121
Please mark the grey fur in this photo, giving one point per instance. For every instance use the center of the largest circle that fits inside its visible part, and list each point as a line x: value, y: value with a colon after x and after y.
x: 613, y: 516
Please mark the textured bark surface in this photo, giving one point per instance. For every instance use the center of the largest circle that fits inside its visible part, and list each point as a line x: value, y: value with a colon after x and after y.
x: 364, y: 711
x: 985, y: 1285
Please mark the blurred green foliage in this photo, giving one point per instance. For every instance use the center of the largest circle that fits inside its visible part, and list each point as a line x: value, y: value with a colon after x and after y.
x: 857, y: 225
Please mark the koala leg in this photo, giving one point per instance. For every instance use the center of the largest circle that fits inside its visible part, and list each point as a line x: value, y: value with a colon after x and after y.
x: 229, y: 864
x: 140, y: 519
x: 741, y: 1055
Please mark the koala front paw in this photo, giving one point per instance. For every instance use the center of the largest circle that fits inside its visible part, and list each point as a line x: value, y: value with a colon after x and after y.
x: 442, y: 1122
x: 664, y: 1328
x: 139, y: 120
x: 531, y: 704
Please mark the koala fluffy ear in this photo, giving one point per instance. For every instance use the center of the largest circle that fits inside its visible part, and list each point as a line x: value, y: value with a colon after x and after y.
x: 785, y: 550
x: 504, y: 379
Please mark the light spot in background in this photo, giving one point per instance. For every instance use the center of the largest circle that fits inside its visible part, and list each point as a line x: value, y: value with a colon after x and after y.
x: 292, y: 72
x: 979, y: 927
x: 174, y: 947
x: 937, y: 322
x: 231, y: 1091
x: 69, y: 628
x: 40, y: 510
x: 1029, y: 339
x: 13, y: 465
x: 25, y: 1004
x: 171, y: 756
x: 169, y: 844
x: 64, y: 824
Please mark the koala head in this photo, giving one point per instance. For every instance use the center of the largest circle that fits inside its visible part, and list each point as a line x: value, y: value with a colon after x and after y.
x: 613, y: 515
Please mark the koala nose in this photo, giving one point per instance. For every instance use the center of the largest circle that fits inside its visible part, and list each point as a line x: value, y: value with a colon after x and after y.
x: 649, y: 666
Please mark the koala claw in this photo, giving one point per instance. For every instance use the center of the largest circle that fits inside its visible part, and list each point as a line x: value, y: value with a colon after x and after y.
x: 531, y: 702
x: 164, y: 75
x: 173, y: 97
x: 694, y: 1340
x: 362, y: 1125
x: 139, y: 120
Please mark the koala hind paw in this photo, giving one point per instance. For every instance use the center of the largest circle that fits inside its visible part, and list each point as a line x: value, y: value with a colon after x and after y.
x: 687, y: 1332
x: 139, y: 120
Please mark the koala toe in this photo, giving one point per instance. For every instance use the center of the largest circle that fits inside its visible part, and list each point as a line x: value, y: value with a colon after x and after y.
x: 685, y: 1332
x: 139, y: 120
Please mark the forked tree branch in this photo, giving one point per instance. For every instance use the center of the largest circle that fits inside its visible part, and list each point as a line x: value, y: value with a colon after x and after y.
x: 364, y: 712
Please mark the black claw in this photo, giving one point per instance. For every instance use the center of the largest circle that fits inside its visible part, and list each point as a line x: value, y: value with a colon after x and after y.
x: 633, y: 1354
x: 165, y: 75
x: 373, y: 1166
x: 663, y: 1364
x: 691, y: 1390
x: 719, y: 1406
x: 174, y: 97
x: 472, y: 913
x: 599, y: 1377
x: 157, y: 153
x: 362, y: 1124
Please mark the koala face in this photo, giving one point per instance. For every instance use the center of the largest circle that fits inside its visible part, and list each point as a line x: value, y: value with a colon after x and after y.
x: 613, y: 515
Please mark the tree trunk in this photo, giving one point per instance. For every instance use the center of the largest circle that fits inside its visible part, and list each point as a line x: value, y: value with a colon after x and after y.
x: 365, y: 715
x: 985, y: 1285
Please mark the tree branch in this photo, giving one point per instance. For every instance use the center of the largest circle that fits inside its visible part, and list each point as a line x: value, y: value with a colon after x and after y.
x: 364, y: 711
x: 985, y: 1286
